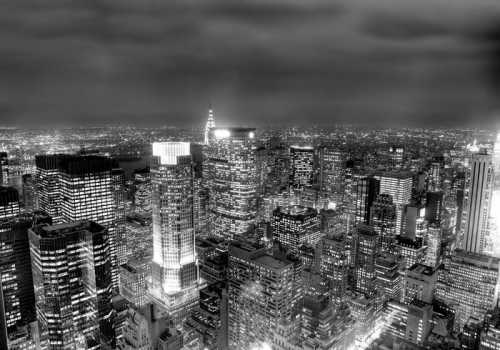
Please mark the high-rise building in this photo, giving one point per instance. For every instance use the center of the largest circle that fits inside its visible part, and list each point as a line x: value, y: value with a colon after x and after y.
x: 119, y: 194
x: 399, y: 186
x: 4, y: 169
x: 366, y: 249
x: 477, y: 205
x: 174, y: 286
x: 388, y: 278
x: 28, y: 192
x: 263, y: 293
x: 383, y: 216
x: 302, y: 166
x: 296, y: 225
x: 18, y: 328
x: 332, y: 169
x: 414, y: 224
x: 433, y: 207
x: 47, y: 186
x: 367, y: 190
x: 80, y: 187
x: 396, y: 155
x: 210, y: 124
x: 70, y: 265
x: 230, y: 173
x: 9, y: 202
x: 133, y: 275
x: 434, y: 238
x: 334, y: 264
x: 468, y: 284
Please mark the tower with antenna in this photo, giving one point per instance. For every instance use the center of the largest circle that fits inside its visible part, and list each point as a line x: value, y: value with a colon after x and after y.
x: 210, y: 122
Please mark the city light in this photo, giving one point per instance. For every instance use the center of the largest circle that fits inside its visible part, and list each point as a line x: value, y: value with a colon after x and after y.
x: 222, y: 133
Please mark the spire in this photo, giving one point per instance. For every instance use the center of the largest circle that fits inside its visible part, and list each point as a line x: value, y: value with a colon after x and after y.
x: 210, y: 122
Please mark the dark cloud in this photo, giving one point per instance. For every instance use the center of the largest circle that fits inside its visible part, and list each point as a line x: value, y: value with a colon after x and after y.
x: 391, y: 61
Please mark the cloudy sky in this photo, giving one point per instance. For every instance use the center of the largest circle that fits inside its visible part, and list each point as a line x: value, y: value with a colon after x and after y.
x: 384, y: 62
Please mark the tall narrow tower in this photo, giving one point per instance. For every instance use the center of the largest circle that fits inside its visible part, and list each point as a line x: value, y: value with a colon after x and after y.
x: 174, y: 268
x: 210, y: 123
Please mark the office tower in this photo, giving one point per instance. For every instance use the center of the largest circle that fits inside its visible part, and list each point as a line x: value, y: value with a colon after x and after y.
x: 419, y: 283
x: 28, y: 192
x: 9, y: 202
x: 263, y: 293
x: 47, y: 186
x: 434, y: 239
x: 388, y: 278
x: 278, y: 169
x: 413, y: 251
x: 333, y: 221
x: 495, y: 199
x: 334, y: 264
x: 210, y: 124
x: 70, y: 266
x: 295, y: 225
x: 133, y: 275
x: 477, y: 204
x: 302, y: 166
x: 86, y: 186
x: 4, y: 169
x: 433, y: 207
x: 174, y: 269
x: 366, y: 249
x: 119, y: 194
x: 467, y: 283
x: 414, y: 224
x: 383, y: 216
x: 367, y: 190
x: 18, y: 328
x: 332, y: 169
x: 399, y: 186
x: 142, y: 191
x: 231, y: 177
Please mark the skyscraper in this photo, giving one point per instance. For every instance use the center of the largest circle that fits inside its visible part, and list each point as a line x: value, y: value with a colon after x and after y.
x: 366, y: 249
x: 18, y: 328
x: 399, y: 186
x: 80, y: 187
x: 367, y: 190
x: 9, y: 202
x: 210, y: 124
x: 230, y: 173
x: 118, y: 189
x: 174, y: 286
x: 332, y: 172
x: 334, y: 265
x: 477, y: 204
x: 263, y: 293
x: 70, y: 265
x: 4, y: 169
x: 295, y: 225
x: 468, y: 284
x: 302, y: 166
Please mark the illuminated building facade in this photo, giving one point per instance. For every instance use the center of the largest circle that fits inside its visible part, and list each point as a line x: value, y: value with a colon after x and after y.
x: 366, y: 249
x: 383, y: 220
x: 302, y: 166
x: 332, y: 172
x: 18, y: 328
x: 230, y: 173
x: 174, y: 269
x: 468, y: 284
x: 334, y: 265
x: 399, y: 186
x: 419, y: 283
x: 119, y: 194
x: 4, y: 169
x: 476, y: 205
x: 133, y: 275
x: 367, y: 190
x: 9, y: 202
x: 296, y: 225
x: 68, y: 308
x: 47, y: 187
x: 263, y: 293
x: 388, y: 278
x: 433, y: 241
x: 210, y: 124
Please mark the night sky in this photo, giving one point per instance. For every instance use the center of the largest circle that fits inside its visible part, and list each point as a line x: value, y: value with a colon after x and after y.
x: 383, y: 62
